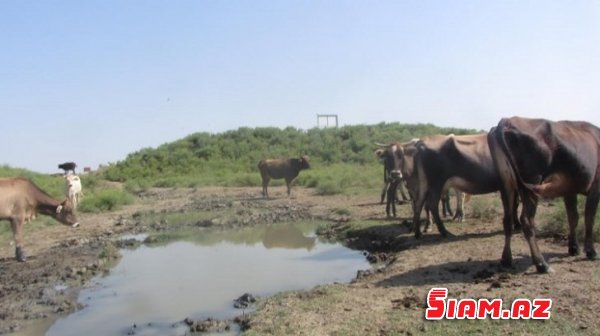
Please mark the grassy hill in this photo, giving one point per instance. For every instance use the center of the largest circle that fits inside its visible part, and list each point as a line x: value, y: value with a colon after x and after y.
x: 341, y: 158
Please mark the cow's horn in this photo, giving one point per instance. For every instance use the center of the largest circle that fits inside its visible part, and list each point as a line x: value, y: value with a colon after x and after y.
x: 380, y: 144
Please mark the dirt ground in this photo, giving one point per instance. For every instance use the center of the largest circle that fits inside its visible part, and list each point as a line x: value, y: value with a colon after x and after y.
x: 384, y: 301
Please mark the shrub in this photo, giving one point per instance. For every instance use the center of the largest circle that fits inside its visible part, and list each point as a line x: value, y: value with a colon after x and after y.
x: 329, y: 187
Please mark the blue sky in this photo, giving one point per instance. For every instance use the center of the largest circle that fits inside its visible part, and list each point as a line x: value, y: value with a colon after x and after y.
x: 91, y: 81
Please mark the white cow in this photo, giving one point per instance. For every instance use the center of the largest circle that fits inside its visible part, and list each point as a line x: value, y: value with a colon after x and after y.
x: 73, y: 189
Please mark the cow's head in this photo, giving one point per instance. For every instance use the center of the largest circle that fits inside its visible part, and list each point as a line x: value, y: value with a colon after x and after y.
x: 304, y: 162
x: 66, y: 215
x: 391, y: 155
x: 71, y: 179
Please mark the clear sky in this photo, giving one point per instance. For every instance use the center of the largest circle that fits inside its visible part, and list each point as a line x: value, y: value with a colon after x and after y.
x: 91, y: 81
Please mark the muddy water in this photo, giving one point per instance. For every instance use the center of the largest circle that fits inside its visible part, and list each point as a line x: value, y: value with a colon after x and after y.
x: 156, y: 286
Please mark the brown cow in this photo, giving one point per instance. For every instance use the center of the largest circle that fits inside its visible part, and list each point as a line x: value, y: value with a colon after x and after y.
x: 435, y: 163
x: 286, y: 169
x: 21, y: 200
x: 541, y: 158
x: 399, y: 158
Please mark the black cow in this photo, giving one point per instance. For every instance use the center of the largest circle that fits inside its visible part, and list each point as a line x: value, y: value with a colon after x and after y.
x: 68, y: 166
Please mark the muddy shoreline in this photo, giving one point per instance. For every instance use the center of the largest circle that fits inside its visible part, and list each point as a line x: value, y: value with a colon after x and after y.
x: 46, y: 287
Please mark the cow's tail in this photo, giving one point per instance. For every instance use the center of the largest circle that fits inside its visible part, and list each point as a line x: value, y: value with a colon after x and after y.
x: 503, y: 159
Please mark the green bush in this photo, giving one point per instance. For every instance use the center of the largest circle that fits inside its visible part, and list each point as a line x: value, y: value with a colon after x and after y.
x: 105, y: 200
x: 231, y: 158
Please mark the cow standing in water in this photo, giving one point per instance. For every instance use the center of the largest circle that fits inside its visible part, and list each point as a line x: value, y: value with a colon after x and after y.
x: 286, y: 169
x: 538, y: 158
x: 21, y: 200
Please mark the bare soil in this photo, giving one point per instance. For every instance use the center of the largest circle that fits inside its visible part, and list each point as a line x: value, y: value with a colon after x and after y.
x: 384, y: 301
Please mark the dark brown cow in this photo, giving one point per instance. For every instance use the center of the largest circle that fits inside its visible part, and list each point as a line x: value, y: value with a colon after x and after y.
x: 541, y: 158
x: 438, y: 162
x: 286, y: 169
x: 21, y: 201
x: 393, y: 155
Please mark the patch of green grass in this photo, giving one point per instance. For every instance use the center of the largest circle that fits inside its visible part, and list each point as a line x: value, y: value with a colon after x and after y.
x: 484, y: 208
x: 554, y: 222
x: 109, y: 251
x: 105, y: 200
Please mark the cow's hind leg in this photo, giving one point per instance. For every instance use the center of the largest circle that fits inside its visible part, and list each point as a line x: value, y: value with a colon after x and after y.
x: 509, y: 203
x: 573, y: 218
x: 528, y: 222
x: 591, y: 206
x: 288, y: 184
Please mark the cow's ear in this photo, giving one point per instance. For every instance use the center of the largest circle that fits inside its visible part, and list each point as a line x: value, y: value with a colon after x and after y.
x: 379, y: 152
x: 410, y: 150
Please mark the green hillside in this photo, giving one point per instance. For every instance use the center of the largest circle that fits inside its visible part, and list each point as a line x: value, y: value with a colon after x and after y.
x: 342, y: 156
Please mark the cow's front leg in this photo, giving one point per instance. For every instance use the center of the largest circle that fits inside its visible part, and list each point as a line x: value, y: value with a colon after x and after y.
x: 16, y: 226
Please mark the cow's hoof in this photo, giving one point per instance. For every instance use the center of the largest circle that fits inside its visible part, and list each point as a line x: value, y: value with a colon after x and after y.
x: 447, y: 234
x: 542, y: 267
x: 506, y: 263
x: 20, y: 256
x: 591, y: 255
x: 573, y: 250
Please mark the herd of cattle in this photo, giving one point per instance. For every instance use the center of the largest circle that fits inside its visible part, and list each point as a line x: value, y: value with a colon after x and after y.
x: 524, y: 159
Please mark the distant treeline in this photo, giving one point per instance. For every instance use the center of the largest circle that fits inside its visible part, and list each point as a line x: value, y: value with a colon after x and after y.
x: 230, y: 158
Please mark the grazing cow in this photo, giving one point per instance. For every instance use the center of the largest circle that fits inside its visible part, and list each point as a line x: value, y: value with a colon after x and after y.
x: 541, y: 158
x: 286, y: 169
x: 438, y: 162
x: 21, y: 201
x: 68, y: 166
x: 73, y: 189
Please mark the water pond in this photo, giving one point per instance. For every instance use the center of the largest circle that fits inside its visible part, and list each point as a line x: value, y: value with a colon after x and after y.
x: 198, y: 275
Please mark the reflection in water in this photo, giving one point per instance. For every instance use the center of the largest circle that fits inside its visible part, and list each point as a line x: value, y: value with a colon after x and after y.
x: 200, y: 277
x: 287, y: 236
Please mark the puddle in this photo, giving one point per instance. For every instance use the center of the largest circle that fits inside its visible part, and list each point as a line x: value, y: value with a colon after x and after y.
x: 156, y: 286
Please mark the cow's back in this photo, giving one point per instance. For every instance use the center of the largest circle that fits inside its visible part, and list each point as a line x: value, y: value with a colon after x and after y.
x: 465, y: 160
x: 275, y: 168
x: 537, y: 148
